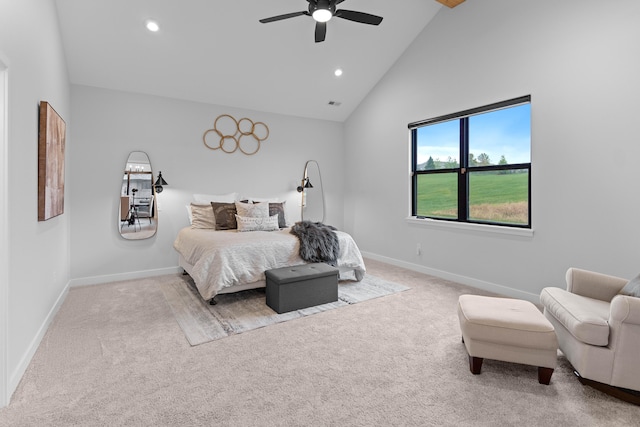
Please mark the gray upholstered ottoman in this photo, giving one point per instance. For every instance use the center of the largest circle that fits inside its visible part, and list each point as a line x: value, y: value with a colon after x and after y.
x: 293, y: 288
x: 507, y: 329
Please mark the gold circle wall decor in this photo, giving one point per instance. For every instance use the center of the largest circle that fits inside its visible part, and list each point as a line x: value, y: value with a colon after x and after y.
x: 240, y: 126
x: 227, y: 130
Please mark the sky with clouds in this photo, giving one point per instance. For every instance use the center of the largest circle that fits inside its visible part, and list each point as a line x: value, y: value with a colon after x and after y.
x: 505, y: 132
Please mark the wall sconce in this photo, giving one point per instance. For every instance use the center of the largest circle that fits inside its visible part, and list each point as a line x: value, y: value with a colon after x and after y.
x: 305, y: 184
x: 159, y: 183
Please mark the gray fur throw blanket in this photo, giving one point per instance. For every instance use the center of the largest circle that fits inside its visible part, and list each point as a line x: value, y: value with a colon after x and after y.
x: 318, y: 242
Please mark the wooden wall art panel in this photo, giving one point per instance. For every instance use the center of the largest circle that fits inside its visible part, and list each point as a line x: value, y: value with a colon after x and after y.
x: 51, y: 141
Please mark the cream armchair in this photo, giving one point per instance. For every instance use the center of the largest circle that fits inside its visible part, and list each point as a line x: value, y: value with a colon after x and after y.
x: 598, y: 329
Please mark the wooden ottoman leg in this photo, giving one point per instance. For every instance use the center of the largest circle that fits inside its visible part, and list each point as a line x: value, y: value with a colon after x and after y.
x: 475, y: 364
x: 544, y: 375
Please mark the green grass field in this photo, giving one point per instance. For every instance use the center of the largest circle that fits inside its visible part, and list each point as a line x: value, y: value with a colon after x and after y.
x: 492, y: 197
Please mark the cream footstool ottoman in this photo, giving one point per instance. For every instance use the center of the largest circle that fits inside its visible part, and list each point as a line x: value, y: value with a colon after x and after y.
x: 509, y: 330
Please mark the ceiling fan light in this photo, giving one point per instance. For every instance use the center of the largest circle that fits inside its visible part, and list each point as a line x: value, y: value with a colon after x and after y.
x: 322, y: 15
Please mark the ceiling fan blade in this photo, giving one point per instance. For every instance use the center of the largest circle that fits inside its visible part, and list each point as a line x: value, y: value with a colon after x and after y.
x: 361, y: 17
x: 321, y: 31
x: 285, y: 16
x: 337, y: 2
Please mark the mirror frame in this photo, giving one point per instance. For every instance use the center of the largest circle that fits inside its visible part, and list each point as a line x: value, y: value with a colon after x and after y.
x: 138, y: 208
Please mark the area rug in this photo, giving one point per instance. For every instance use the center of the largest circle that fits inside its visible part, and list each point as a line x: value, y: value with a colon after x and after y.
x: 247, y: 310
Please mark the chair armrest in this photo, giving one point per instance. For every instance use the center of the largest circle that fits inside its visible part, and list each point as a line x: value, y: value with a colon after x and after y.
x: 625, y: 309
x: 594, y: 285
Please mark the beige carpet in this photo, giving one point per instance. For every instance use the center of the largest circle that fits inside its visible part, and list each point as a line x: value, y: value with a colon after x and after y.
x: 247, y: 310
x: 115, y: 356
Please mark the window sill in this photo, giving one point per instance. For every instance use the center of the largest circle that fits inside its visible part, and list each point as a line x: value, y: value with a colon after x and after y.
x: 483, y: 228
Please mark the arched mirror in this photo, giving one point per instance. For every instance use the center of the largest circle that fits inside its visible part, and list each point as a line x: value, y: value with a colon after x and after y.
x: 312, y: 193
x: 138, y: 217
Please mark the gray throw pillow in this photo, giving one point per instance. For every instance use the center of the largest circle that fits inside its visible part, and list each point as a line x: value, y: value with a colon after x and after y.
x: 278, y: 209
x: 632, y: 288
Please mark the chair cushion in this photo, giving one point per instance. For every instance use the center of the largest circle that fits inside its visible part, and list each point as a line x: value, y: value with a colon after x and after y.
x: 585, y: 318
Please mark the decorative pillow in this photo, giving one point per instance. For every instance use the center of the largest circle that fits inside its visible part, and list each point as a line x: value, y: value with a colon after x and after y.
x: 278, y: 209
x: 632, y: 288
x: 264, y: 199
x: 269, y: 223
x: 220, y: 198
x: 202, y: 216
x: 225, y: 215
x: 257, y: 210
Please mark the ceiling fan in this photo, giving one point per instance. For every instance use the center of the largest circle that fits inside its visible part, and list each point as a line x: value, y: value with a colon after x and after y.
x: 322, y: 11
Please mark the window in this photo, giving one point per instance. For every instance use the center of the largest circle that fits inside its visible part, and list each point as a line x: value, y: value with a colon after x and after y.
x: 474, y: 166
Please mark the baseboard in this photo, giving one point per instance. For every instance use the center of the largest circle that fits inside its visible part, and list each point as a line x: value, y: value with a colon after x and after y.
x: 16, y: 375
x: 97, y: 280
x: 464, y: 280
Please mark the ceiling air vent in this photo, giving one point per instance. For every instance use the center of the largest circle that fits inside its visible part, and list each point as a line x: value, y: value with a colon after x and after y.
x: 335, y: 103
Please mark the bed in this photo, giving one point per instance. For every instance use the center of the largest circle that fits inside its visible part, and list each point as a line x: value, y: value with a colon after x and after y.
x: 224, y: 261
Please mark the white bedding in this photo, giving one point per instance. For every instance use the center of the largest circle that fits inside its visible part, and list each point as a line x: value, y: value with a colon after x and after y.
x: 221, y: 259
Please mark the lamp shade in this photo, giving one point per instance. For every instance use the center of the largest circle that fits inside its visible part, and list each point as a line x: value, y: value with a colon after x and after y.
x: 160, y: 180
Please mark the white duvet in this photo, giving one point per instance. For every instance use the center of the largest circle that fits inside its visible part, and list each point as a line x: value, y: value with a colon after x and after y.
x: 221, y: 259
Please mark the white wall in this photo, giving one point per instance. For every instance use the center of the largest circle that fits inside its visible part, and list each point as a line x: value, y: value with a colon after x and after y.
x: 39, y: 252
x: 108, y: 125
x: 578, y: 61
x: 4, y: 231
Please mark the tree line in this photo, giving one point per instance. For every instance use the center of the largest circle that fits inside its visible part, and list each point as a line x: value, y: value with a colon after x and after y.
x: 451, y: 163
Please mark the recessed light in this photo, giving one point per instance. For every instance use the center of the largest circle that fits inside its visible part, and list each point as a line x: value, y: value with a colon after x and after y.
x: 152, y: 26
x: 338, y: 72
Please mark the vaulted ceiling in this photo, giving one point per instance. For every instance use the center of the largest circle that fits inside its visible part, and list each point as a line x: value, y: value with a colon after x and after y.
x: 217, y: 51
